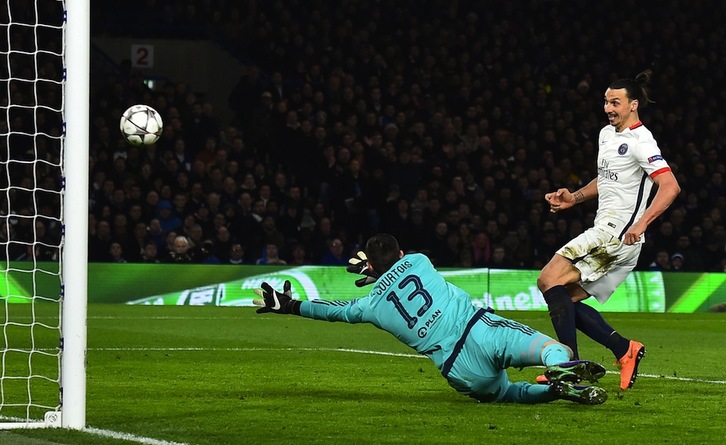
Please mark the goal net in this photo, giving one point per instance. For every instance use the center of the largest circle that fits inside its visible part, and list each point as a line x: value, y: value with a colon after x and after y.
x: 43, y: 208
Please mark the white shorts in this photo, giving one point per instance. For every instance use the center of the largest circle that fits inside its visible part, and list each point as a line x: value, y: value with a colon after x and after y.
x: 603, y: 260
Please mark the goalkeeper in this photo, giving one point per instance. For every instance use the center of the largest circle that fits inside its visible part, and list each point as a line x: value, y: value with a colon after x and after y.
x: 471, y: 347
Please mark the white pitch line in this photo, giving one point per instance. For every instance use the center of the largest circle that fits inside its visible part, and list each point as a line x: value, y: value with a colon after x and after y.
x: 107, y: 433
x: 680, y: 379
x: 356, y: 351
x: 130, y: 437
x: 369, y: 352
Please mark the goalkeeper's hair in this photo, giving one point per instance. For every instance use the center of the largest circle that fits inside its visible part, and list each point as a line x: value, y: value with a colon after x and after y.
x: 382, y: 251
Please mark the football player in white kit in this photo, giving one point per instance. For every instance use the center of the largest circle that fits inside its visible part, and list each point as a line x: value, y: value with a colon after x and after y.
x: 594, y: 263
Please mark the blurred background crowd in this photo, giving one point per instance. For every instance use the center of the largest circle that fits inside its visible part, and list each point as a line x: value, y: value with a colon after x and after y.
x: 443, y: 123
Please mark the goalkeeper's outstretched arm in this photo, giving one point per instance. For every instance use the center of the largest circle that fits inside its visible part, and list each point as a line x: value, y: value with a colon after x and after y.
x: 278, y: 302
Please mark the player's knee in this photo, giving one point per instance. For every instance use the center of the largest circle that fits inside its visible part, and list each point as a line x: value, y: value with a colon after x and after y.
x: 547, y: 279
x: 543, y: 282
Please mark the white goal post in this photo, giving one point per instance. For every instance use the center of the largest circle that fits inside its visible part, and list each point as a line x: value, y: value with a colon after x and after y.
x: 43, y: 352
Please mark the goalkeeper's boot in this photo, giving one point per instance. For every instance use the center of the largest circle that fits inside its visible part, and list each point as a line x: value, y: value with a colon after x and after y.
x: 628, y: 364
x: 586, y: 395
x: 574, y: 372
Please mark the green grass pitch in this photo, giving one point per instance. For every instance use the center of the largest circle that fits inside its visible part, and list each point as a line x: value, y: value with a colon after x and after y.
x: 211, y: 376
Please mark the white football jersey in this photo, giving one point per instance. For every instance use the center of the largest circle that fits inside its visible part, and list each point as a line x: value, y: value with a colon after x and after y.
x: 627, y: 162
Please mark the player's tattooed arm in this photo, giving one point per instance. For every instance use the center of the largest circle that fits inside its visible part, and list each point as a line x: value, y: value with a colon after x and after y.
x: 579, y: 197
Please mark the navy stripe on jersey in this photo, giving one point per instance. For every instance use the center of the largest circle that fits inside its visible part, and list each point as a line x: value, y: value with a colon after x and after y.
x: 638, y: 202
x: 332, y: 303
x: 510, y: 324
x: 460, y: 344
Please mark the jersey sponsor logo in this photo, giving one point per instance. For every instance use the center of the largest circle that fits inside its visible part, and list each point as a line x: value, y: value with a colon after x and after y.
x: 655, y: 158
x: 623, y: 149
x: 423, y: 330
x: 604, y: 171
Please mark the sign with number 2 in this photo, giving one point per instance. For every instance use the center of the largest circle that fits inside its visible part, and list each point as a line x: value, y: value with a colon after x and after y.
x: 142, y: 56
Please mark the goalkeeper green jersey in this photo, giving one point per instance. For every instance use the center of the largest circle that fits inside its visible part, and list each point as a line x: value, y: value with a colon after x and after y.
x: 471, y: 347
x: 412, y: 301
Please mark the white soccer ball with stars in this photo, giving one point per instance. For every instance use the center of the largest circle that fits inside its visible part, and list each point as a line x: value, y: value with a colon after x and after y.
x: 141, y: 125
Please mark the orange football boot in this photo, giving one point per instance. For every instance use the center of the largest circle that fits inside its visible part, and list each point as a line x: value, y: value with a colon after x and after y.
x: 628, y: 364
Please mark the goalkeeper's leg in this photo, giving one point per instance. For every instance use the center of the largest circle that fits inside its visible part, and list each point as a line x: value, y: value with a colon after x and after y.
x: 496, y: 387
x: 524, y: 392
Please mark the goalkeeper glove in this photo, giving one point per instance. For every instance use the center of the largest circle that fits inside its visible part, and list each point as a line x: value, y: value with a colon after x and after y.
x: 275, y: 301
x: 359, y: 265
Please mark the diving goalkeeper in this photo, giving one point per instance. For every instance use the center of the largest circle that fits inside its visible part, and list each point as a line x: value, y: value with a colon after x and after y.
x: 471, y: 347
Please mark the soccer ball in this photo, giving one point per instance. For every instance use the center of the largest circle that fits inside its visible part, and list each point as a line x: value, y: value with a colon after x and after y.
x: 141, y: 125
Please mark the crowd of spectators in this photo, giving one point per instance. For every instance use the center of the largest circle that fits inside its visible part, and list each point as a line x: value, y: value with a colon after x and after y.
x: 443, y: 123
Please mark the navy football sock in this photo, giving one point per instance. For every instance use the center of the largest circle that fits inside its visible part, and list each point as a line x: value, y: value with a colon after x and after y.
x: 562, y: 314
x: 591, y: 323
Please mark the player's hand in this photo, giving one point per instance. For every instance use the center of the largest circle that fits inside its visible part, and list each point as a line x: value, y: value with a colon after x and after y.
x: 358, y: 265
x: 275, y: 301
x: 560, y: 200
x: 633, y: 235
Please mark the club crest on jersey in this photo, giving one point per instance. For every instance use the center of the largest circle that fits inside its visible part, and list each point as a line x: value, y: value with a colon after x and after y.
x: 655, y: 158
x: 623, y: 149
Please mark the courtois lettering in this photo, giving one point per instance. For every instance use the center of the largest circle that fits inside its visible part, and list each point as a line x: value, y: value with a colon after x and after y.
x: 389, y: 277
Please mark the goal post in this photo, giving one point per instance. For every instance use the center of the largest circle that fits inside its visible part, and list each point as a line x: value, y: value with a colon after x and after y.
x: 44, y: 161
x: 74, y: 294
